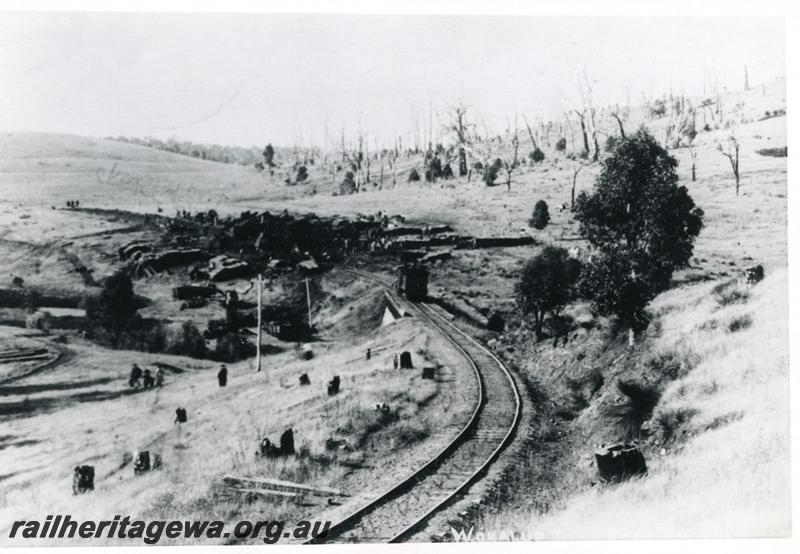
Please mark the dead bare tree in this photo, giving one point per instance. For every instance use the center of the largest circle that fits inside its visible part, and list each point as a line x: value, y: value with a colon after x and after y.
x: 459, y: 127
x: 576, y: 168
x: 732, y: 153
x: 530, y: 132
x: 617, y: 114
x: 511, y: 159
x: 693, y: 156
x: 582, y: 120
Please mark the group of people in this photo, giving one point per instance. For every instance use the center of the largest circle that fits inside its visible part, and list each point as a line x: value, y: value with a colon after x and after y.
x: 145, y: 378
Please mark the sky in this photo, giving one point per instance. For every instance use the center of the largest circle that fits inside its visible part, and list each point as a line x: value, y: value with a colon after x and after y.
x: 250, y: 79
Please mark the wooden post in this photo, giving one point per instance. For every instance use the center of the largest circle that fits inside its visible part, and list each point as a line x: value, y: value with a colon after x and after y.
x: 308, y: 303
x: 258, y: 332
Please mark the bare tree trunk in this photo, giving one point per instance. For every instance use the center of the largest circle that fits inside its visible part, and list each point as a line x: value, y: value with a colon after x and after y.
x: 619, y: 122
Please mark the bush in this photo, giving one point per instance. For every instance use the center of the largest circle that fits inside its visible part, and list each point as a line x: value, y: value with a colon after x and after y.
x: 611, y: 143
x: 232, y: 347
x: 561, y: 145
x: 640, y: 401
x: 668, y: 424
x: 413, y: 176
x: 434, y: 170
x: 774, y: 152
x: 477, y: 166
x: 185, y: 340
x: 496, y: 323
x: 540, y: 217
x: 302, y: 174
x: 739, y: 323
x: 537, y: 155
x: 348, y: 184
x: 490, y: 172
x: 447, y: 172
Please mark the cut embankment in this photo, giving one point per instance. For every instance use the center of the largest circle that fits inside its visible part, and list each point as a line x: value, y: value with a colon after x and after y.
x: 717, y: 442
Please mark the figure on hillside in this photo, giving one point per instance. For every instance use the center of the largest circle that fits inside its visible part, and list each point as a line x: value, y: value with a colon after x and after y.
x: 136, y: 374
x: 369, y: 353
x: 159, y: 377
x: 396, y: 360
x: 222, y: 376
x: 148, y: 379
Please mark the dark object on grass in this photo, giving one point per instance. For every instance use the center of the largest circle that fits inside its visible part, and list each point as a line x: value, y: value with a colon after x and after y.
x: 496, y: 323
x: 287, y: 442
x: 222, y: 376
x: 304, y: 379
x: 619, y: 462
x: 428, y: 372
x: 180, y: 415
x: 83, y: 479
x: 333, y: 385
x: 754, y: 274
x: 405, y: 360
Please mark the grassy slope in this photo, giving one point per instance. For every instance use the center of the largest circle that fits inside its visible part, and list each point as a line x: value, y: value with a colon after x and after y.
x: 719, y: 451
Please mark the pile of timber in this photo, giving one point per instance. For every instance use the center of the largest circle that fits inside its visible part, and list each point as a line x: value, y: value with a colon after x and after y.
x: 266, y: 487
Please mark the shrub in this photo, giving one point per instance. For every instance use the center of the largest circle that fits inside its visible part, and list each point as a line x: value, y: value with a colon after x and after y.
x: 447, y: 172
x: 668, y: 423
x: 561, y: 144
x: 540, y: 217
x: 490, y: 172
x: 348, y: 184
x: 302, y: 174
x: 611, y: 143
x: 232, y: 347
x: 537, y: 155
x: 739, y: 323
x: 434, y: 170
x: 774, y: 152
x: 640, y: 401
x: 477, y: 166
x: 729, y: 293
x: 186, y: 340
x: 496, y: 323
x: 413, y: 176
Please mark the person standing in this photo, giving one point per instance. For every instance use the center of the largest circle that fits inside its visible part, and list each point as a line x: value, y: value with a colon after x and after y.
x: 222, y: 376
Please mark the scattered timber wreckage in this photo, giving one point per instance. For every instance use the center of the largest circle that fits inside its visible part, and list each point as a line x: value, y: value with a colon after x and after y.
x: 226, y: 268
x: 83, y: 479
x: 619, y: 461
x: 233, y: 487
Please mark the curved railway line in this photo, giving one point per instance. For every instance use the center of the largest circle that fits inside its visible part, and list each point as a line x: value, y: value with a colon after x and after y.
x: 400, y: 512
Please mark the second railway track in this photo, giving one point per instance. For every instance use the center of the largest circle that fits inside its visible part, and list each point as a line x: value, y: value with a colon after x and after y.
x: 399, y: 513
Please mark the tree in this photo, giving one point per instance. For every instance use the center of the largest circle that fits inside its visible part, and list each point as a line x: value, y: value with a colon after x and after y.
x: 732, y: 153
x: 116, y: 305
x: 540, y: 217
x: 269, y: 156
x: 461, y: 129
x: 643, y: 225
x: 546, y: 285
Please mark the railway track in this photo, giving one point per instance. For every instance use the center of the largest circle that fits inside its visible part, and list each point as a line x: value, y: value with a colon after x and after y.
x: 400, y: 512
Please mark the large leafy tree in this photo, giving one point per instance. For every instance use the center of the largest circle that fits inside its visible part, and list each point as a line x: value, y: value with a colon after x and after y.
x: 546, y: 284
x: 642, y: 223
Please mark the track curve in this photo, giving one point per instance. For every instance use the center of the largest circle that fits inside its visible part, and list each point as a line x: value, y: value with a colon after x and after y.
x: 400, y: 512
